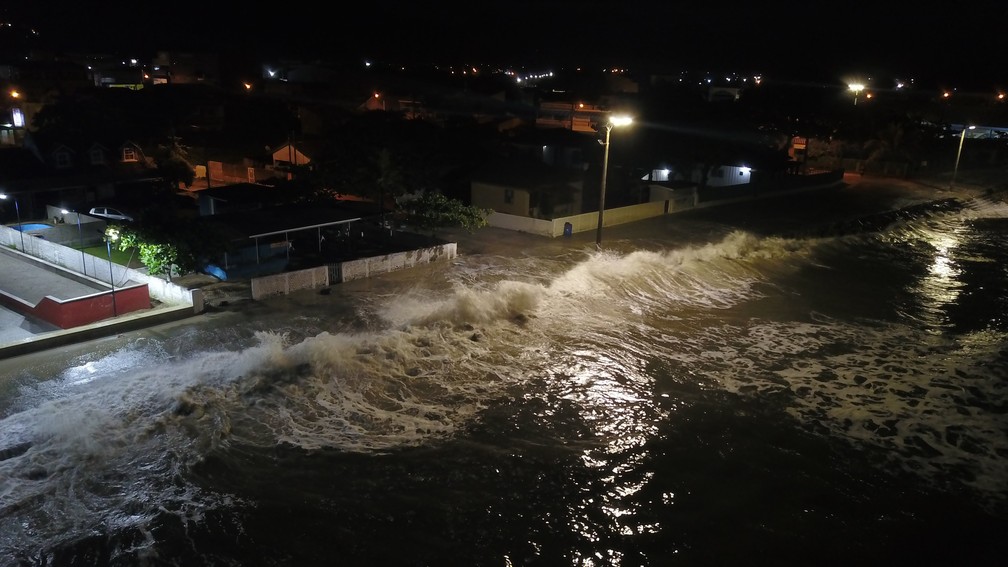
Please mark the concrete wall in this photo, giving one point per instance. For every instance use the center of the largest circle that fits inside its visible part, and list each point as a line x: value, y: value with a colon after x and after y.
x: 521, y: 223
x: 579, y: 223
x: 366, y: 267
x: 287, y: 282
x: 323, y: 276
x: 91, y: 231
x: 100, y: 269
x: 665, y: 201
x: 79, y: 311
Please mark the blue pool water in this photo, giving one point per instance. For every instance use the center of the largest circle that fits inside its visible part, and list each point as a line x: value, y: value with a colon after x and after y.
x: 25, y: 227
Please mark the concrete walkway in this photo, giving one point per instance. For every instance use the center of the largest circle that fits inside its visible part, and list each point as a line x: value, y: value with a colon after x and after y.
x: 31, y: 280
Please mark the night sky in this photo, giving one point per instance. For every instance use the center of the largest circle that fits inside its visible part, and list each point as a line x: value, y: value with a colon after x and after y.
x: 960, y: 44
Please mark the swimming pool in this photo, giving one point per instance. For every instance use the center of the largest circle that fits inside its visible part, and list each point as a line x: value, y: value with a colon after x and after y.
x: 31, y: 226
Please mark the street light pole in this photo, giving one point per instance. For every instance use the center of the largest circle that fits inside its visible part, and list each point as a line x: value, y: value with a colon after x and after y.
x: 17, y: 210
x: 80, y: 233
x: 605, y: 171
x: 962, y: 138
x: 613, y: 121
x: 108, y: 246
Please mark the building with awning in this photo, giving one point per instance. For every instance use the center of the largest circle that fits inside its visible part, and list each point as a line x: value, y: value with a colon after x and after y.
x: 265, y: 240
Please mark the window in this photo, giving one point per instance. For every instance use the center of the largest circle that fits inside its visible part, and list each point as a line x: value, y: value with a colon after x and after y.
x: 97, y: 156
x: 129, y: 154
x: 509, y: 196
x: 62, y: 160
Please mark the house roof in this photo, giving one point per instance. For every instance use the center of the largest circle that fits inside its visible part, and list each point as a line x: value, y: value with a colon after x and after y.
x: 310, y: 147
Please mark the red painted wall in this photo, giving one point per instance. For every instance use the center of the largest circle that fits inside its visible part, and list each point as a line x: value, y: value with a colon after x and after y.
x: 70, y: 313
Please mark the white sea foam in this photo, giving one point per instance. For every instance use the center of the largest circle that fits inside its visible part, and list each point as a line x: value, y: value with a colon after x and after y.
x: 927, y: 398
x: 120, y: 431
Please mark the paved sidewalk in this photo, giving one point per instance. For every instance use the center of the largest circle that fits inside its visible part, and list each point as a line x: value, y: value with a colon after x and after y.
x: 31, y: 280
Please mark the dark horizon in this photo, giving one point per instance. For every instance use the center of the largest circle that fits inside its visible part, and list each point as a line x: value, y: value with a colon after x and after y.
x: 855, y: 38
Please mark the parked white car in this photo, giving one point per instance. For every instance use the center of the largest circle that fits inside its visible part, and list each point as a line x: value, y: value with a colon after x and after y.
x: 110, y: 214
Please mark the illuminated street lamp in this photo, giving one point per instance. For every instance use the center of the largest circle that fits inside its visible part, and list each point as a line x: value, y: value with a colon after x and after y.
x: 17, y: 209
x: 856, y: 88
x: 110, y: 235
x: 80, y: 233
x: 613, y: 121
x: 962, y: 138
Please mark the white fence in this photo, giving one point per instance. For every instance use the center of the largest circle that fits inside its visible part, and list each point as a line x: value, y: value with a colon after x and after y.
x: 99, y: 268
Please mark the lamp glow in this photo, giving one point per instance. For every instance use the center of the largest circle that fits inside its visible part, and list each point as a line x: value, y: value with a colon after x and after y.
x: 619, y: 121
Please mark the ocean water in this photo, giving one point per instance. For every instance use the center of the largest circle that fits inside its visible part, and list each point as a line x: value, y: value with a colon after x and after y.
x: 718, y: 388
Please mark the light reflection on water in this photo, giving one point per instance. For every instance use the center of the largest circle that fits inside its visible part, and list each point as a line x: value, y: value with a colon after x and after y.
x: 671, y: 398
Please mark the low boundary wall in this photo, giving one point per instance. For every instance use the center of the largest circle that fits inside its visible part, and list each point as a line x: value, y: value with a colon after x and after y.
x: 678, y: 201
x: 367, y: 267
x: 578, y: 223
x: 100, y: 269
x: 324, y: 276
x: 79, y: 311
x: 287, y: 282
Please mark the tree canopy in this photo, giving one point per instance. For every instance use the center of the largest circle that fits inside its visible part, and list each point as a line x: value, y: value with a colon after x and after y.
x: 431, y: 210
x: 181, y: 246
